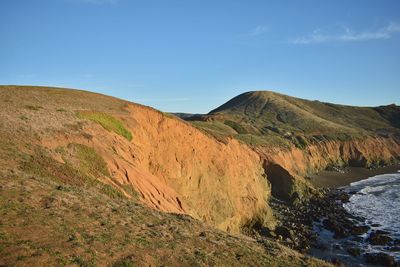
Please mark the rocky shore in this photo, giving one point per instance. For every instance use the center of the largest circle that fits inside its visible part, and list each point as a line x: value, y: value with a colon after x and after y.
x: 302, y: 227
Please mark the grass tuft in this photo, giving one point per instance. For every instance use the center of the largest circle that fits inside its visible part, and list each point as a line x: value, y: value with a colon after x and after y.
x: 126, y: 262
x: 32, y: 107
x: 111, y: 191
x: 107, y: 121
x: 24, y: 118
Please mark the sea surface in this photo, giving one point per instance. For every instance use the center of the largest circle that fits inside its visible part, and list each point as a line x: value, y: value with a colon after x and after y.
x: 376, y: 201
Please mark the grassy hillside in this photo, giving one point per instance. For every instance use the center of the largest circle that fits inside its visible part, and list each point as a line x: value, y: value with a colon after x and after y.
x: 265, y: 118
x: 62, y: 205
x: 47, y: 221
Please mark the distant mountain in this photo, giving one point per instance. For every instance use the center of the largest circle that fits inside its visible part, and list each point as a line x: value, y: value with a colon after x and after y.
x: 186, y: 116
x: 277, y: 116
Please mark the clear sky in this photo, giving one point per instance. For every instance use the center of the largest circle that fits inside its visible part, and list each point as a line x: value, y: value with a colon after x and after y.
x: 191, y: 56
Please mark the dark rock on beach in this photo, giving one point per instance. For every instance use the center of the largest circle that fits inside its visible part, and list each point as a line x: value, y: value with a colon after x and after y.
x: 381, y: 259
x: 394, y: 248
x: 359, y: 229
x: 354, y: 251
x: 337, y: 262
x: 343, y: 196
x: 285, y: 232
x: 296, y: 222
x: 333, y: 224
x: 296, y: 229
x: 379, y: 238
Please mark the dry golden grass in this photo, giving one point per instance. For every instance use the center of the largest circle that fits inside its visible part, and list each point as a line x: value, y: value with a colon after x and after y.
x: 52, y: 223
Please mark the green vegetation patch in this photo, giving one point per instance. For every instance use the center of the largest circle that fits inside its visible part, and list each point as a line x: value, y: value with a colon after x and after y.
x: 43, y: 165
x: 90, y: 165
x: 264, y: 140
x: 217, y: 129
x: 107, y: 121
x: 33, y: 107
x: 90, y: 162
x: 125, y: 262
x: 236, y: 126
x: 8, y: 150
x: 111, y: 191
x: 285, y: 120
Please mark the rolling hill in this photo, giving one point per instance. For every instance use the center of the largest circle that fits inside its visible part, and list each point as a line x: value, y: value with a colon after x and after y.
x: 281, y: 119
x: 297, y: 138
x: 88, y: 180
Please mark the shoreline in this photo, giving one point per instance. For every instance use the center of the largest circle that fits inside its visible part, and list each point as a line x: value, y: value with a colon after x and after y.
x: 342, y: 237
x: 334, y: 179
x: 322, y: 228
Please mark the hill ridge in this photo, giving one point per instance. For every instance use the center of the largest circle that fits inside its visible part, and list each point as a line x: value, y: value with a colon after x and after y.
x: 268, y: 113
x: 59, y: 147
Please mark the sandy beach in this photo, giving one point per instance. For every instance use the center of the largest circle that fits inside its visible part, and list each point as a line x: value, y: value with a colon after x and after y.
x: 333, y: 179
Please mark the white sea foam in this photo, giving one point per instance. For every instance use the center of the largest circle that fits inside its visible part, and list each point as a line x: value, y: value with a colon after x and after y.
x: 377, y: 199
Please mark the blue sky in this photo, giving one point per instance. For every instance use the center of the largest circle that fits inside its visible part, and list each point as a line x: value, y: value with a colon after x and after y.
x: 192, y: 56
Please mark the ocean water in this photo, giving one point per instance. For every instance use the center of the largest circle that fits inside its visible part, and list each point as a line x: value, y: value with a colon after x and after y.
x: 377, y: 200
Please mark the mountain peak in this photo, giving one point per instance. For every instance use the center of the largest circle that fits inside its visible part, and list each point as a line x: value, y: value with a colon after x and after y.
x: 266, y: 113
x: 244, y: 99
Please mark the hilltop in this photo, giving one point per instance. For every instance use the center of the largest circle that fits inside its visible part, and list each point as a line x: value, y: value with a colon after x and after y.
x: 282, y: 119
x: 297, y: 138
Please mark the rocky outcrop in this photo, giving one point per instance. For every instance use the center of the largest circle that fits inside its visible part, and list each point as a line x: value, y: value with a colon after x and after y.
x: 228, y: 184
x: 287, y: 168
x: 223, y: 184
x: 177, y: 168
x: 281, y: 180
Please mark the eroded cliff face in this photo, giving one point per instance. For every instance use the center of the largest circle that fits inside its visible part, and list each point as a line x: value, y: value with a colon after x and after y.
x: 219, y: 183
x: 177, y: 168
x: 287, y: 168
x: 68, y: 157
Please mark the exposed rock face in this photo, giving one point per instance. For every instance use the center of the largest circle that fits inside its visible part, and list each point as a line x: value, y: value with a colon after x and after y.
x: 177, y: 168
x: 286, y: 168
x: 297, y: 137
x: 281, y: 180
x: 223, y: 184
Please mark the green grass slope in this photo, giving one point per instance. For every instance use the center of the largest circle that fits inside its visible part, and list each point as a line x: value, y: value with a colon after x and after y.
x: 264, y: 117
